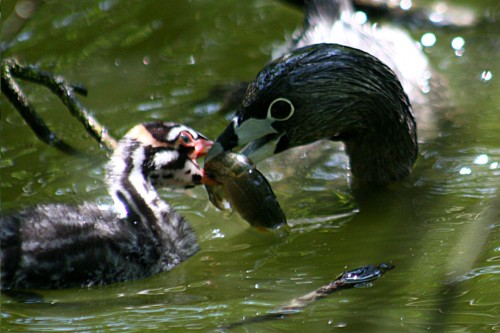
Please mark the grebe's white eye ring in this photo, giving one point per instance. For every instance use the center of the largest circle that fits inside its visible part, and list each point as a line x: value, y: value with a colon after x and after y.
x: 280, y: 109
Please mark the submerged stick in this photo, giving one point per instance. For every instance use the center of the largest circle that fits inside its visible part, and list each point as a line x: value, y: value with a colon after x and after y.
x: 62, y: 89
x: 346, y: 280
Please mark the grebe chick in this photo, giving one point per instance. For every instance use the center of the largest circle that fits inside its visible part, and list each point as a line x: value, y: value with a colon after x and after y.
x: 59, y: 246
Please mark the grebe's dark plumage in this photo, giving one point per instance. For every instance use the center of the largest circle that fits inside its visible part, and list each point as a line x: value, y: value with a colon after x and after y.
x: 58, y: 246
x: 341, y: 80
x: 329, y: 91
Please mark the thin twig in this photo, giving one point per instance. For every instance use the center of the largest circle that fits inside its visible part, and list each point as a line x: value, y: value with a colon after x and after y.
x: 346, y: 280
x: 60, y: 87
x: 19, y: 100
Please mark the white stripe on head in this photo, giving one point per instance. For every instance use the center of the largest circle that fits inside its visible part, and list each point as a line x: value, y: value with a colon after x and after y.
x: 165, y: 157
x: 174, y: 132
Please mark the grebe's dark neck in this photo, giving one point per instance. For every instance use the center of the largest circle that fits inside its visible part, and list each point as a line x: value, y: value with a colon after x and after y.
x: 382, y: 147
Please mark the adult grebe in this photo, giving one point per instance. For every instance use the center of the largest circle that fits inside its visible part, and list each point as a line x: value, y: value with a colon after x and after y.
x: 58, y: 246
x: 320, y: 89
x: 328, y: 91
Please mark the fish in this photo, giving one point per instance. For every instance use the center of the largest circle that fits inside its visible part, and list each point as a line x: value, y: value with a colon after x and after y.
x: 242, y: 187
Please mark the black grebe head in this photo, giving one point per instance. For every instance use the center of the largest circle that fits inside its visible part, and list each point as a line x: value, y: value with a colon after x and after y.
x: 328, y: 91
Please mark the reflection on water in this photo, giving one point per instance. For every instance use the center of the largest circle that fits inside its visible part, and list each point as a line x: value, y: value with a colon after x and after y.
x: 148, y: 60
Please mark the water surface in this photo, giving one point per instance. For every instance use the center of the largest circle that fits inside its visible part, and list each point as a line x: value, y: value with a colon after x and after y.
x: 145, y: 60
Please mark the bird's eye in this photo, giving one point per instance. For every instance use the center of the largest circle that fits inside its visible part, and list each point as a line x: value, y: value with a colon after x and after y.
x: 280, y: 109
x: 185, y: 138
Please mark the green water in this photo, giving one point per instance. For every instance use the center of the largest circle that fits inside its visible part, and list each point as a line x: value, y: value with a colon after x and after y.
x: 145, y: 60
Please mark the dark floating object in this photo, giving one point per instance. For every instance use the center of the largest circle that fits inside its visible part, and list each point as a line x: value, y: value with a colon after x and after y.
x: 350, y: 279
x: 59, y: 246
x: 245, y: 189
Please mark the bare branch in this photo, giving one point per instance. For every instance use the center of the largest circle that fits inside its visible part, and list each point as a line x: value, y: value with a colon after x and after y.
x: 346, y: 280
x: 66, y: 93
x: 17, y: 97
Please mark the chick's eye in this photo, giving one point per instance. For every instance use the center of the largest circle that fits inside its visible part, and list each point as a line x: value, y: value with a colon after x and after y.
x: 280, y: 109
x: 185, y: 138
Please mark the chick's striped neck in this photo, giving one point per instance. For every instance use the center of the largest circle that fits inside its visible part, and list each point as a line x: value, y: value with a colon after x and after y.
x: 134, y: 196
